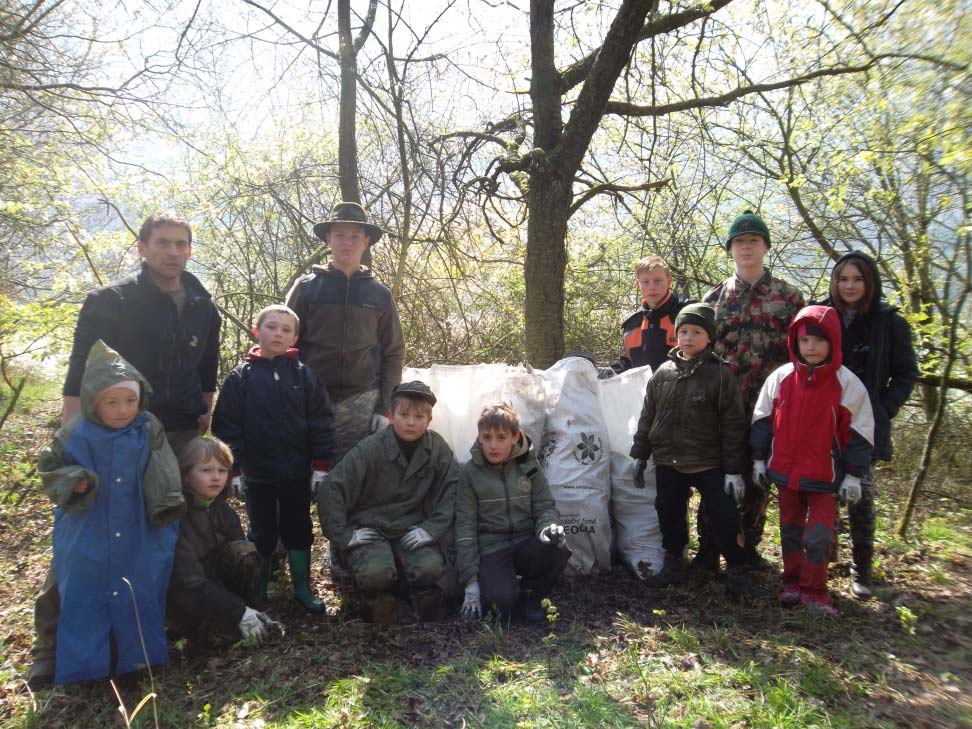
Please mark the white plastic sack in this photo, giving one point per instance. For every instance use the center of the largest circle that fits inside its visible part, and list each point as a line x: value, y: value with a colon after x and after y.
x: 637, y: 535
x: 574, y: 455
x: 459, y: 390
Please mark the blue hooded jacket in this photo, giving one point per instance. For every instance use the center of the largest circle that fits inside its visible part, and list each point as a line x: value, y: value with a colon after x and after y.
x: 103, y: 537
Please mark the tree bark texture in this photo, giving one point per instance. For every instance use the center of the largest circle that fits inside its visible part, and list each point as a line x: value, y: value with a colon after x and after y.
x: 347, y: 132
x: 558, y: 152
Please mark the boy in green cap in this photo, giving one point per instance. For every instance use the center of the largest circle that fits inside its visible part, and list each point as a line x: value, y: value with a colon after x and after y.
x: 753, y: 311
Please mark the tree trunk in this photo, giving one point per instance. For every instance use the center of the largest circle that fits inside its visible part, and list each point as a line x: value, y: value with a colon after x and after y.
x: 347, y: 133
x: 546, y: 263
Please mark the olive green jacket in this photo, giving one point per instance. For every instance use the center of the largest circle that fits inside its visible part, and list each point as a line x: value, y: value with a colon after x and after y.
x: 161, y: 482
x: 495, y: 505
x: 692, y: 416
x: 374, y: 486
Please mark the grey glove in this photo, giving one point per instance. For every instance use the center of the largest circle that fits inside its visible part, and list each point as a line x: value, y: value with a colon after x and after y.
x: 553, y: 534
x: 639, y: 475
x: 759, y: 474
x: 735, y: 486
x: 318, y: 478
x: 365, y: 535
x: 472, y: 606
x: 850, y: 489
x: 252, y: 626
x: 416, y: 537
x: 238, y: 488
x: 378, y: 422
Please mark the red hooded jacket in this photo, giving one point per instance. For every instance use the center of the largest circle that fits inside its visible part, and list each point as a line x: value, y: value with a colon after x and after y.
x: 813, y: 425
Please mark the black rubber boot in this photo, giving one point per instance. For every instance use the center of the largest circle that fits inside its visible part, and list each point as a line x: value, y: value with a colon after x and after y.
x: 861, y: 573
x: 740, y: 584
x: 705, y: 562
x: 41, y: 673
x: 672, y: 572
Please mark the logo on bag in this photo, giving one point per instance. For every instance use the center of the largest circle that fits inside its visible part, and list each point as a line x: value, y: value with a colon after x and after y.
x: 589, y: 450
x: 548, y: 444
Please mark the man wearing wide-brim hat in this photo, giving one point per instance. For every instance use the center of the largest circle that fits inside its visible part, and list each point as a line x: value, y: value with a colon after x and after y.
x: 350, y: 334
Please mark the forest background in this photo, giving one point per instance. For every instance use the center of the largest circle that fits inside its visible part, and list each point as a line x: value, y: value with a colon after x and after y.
x: 521, y: 155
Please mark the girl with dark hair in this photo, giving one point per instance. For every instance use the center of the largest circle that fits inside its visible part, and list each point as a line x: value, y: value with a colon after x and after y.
x: 877, y: 347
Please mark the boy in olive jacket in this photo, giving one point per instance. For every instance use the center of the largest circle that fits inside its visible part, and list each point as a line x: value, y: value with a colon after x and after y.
x: 386, y: 505
x: 693, y: 423
x: 507, y: 523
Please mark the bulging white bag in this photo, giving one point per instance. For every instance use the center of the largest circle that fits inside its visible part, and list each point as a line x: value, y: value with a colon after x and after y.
x: 637, y: 535
x: 574, y: 455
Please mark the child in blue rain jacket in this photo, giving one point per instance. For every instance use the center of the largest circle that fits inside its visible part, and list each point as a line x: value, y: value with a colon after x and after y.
x: 116, y: 486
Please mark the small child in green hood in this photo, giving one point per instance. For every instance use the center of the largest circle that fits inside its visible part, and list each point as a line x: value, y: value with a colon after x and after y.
x: 115, y: 483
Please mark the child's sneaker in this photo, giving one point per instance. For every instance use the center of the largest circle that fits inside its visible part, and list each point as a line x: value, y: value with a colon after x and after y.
x: 790, y: 597
x: 820, y: 604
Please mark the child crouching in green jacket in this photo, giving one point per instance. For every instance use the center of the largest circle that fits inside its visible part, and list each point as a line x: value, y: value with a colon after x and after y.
x: 507, y: 524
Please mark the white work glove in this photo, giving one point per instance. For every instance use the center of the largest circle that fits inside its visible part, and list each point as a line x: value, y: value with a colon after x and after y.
x: 735, y: 486
x: 238, y: 488
x: 760, y: 478
x: 553, y: 534
x: 252, y: 625
x: 318, y: 478
x: 365, y: 535
x: 378, y: 422
x: 472, y: 606
x: 640, y: 465
x: 850, y: 489
x: 416, y: 537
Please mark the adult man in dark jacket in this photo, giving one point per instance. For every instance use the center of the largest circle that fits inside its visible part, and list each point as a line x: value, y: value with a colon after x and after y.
x: 163, y: 321
x: 350, y: 334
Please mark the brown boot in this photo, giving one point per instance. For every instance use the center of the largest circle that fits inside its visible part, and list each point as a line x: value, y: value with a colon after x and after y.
x: 428, y: 605
x: 381, y: 608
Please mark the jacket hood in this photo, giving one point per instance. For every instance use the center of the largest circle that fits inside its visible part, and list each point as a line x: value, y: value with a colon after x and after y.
x: 256, y: 354
x: 104, y: 368
x: 865, y: 260
x: 827, y: 319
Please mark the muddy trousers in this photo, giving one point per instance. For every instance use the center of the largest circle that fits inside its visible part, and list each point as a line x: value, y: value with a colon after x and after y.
x: 807, y: 538
x: 538, y: 566
x: 376, y: 567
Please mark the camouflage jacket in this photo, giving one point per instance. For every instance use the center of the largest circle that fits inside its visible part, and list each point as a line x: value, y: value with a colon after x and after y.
x: 751, y: 328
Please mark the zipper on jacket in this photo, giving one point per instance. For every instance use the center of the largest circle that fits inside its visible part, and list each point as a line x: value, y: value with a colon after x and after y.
x: 344, y: 340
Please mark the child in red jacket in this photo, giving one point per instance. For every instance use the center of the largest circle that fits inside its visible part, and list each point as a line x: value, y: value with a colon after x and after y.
x: 813, y: 429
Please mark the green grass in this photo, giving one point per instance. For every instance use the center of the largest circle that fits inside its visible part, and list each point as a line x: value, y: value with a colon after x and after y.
x: 617, y: 655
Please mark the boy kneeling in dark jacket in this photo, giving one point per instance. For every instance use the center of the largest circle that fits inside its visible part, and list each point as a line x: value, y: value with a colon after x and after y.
x: 216, y: 574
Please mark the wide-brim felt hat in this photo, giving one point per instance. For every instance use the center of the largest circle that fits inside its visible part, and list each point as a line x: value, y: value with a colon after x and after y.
x: 349, y: 212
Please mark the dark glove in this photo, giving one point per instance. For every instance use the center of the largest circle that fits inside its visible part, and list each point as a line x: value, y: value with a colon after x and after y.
x: 639, y: 475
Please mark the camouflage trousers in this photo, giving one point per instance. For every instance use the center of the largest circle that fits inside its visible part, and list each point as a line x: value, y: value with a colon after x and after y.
x: 352, y: 421
x: 377, y: 567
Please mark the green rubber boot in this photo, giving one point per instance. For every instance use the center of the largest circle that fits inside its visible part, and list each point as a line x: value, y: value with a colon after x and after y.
x: 300, y: 576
